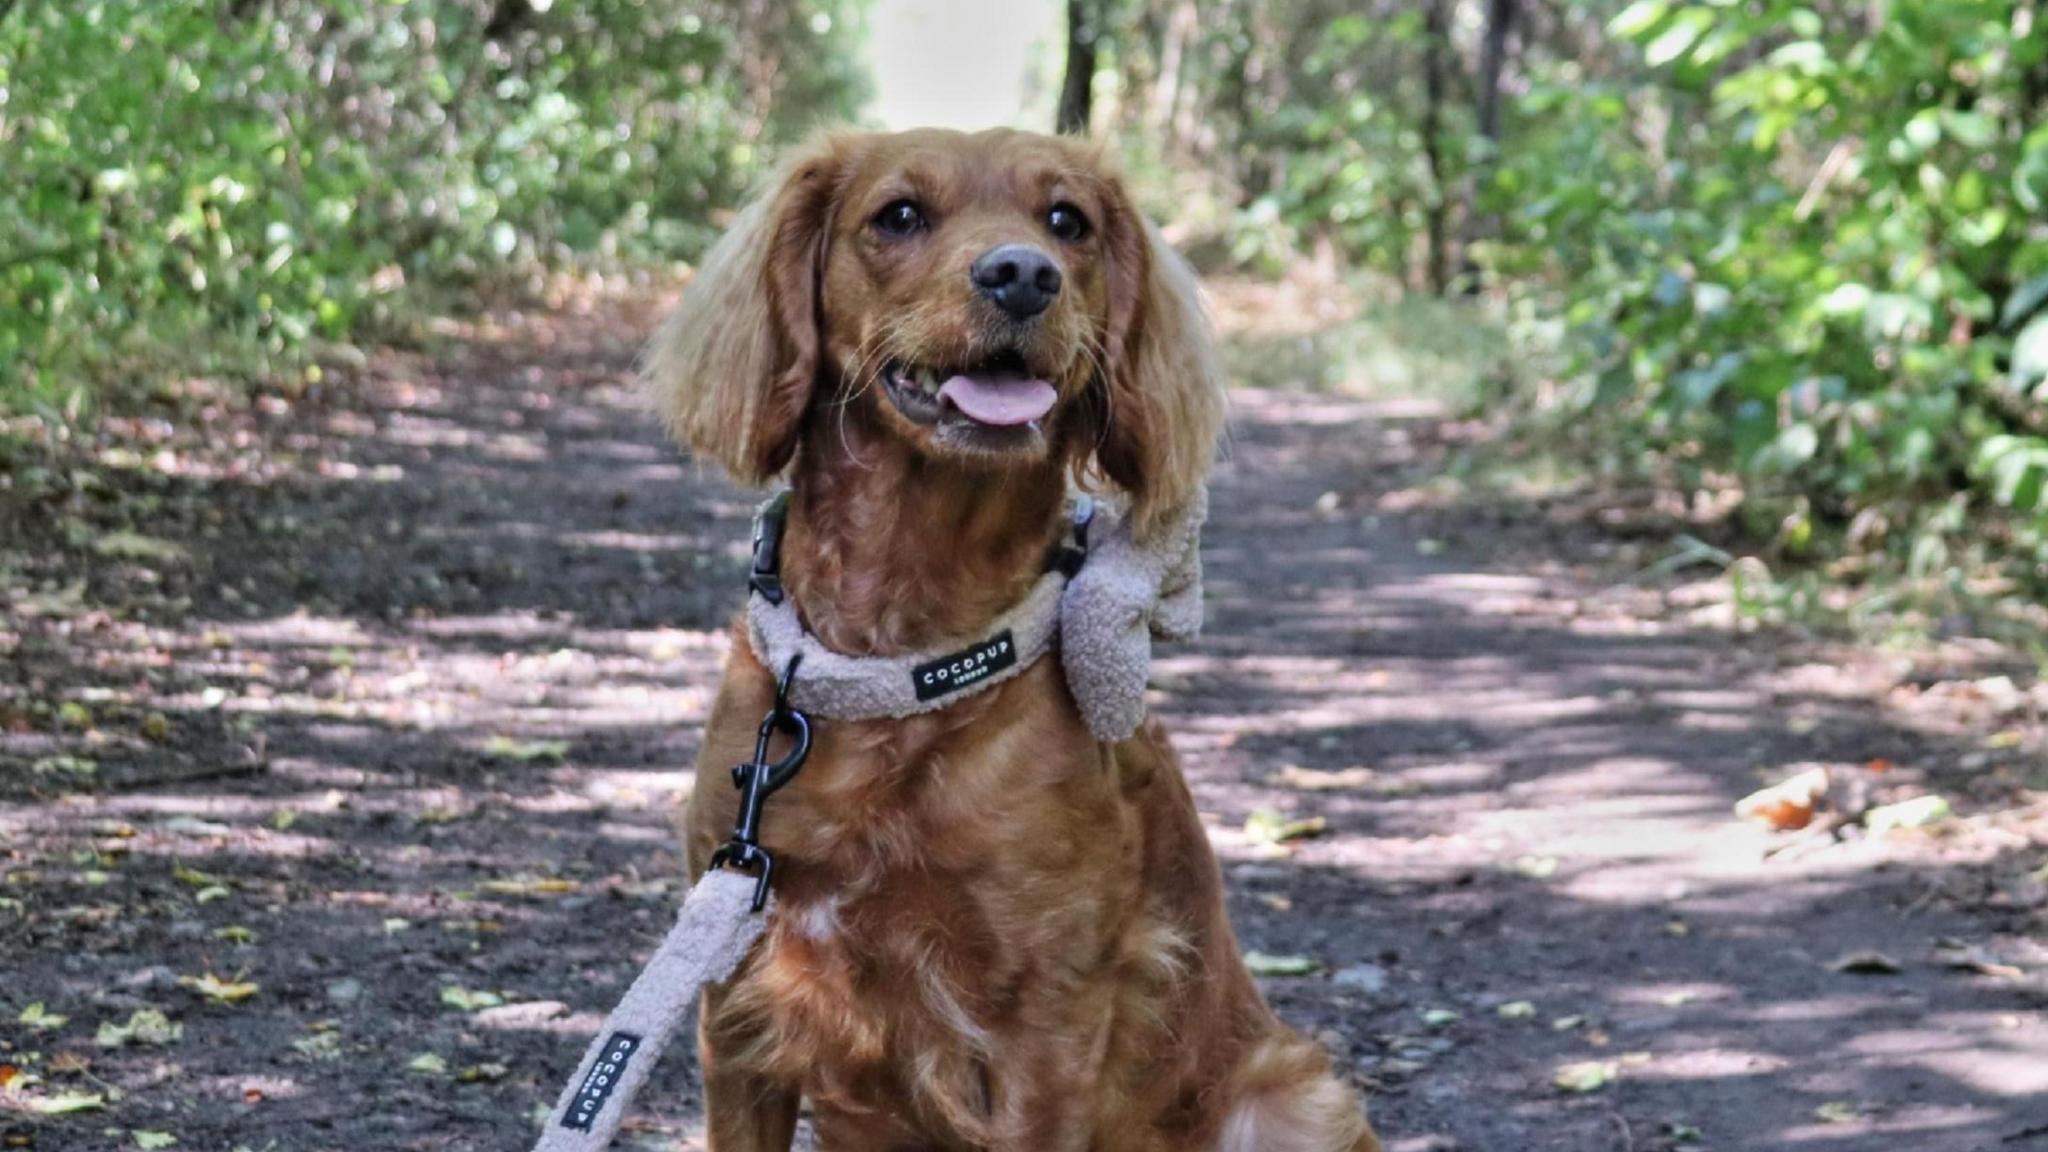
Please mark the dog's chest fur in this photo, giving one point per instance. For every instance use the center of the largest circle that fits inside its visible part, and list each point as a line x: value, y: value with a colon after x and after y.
x: 939, y: 879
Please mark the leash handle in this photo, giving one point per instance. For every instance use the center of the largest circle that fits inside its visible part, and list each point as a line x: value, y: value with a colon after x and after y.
x: 711, y: 936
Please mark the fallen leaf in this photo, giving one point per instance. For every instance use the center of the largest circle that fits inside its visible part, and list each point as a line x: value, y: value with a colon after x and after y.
x: 482, y: 1073
x: 1868, y: 962
x: 135, y: 546
x: 427, y: 1064
x: 1535, y: 867
x: 1439, y: 1017
x: 1316, y: 780
x: 1566, y: 1023
x: 194, y: 826
x: 1263, y: 964
x: 1584, y: 1076
x: 235, y: 934
x: 526, y: 751
x: 65, y: 1103
x: 319, y: 1046
x: 70, y: 1064
x: 1787, y: 805
x: 469, y: 1000
x: 1919, y: 812
x: 145, y: 1026
x: 196, y: 878
x: 9, y: 1073
x: 218, y: 990
x: 37, y: 1018
x: 153, y: 1139
x: 1516, y: 1010
x: 1276, y: 901
x: 528, y: 887
x: 1838, y: 1112
x: 1271, y: 826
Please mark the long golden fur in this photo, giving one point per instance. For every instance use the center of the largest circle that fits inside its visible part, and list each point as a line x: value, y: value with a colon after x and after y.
x: 993, y: 931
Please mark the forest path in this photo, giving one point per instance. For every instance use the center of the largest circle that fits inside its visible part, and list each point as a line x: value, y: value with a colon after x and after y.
x: 397, y: 733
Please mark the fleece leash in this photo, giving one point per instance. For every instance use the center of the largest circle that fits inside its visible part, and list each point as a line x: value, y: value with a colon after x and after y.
x: 717, y: 926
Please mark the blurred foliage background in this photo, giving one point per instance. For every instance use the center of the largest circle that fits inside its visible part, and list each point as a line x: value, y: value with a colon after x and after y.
x: 1787, y: 261
x: 249, y: 177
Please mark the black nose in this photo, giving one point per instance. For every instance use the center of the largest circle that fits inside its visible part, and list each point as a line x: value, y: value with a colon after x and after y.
x: 1022, y: 280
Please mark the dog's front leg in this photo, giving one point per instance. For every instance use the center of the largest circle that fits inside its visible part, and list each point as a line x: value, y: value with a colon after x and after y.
x: 1044, y: 1086
x: 745, y: 1112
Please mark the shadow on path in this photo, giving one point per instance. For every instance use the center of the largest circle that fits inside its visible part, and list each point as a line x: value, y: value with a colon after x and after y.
x: 470, y: 637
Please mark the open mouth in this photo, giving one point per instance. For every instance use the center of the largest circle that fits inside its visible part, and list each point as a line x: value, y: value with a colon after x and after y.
x: 998, y: 393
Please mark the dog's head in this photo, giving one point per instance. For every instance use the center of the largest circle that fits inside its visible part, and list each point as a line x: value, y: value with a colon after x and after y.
x: 990, y: 299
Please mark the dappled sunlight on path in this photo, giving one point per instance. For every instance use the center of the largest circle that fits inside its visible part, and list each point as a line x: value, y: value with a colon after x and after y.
x: 434, y: 697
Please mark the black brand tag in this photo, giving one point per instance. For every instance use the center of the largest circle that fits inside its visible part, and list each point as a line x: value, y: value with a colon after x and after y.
x: 949, y: 674
x: 604, y: 1076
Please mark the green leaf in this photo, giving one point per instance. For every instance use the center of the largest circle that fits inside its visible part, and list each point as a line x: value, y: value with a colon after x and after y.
x: 470, y: 1000
x: 2024, y: 301
x: 523, y: 751
x: 36, y: 1017
x: 1271, y: 826
x: 1793, y: 447
x: 1584, y: 1076
x: 2030, y: 353
x: 1638, y: 19
x: 66, y: 1103
x: 1678, y: 39
x: 153, y: 1139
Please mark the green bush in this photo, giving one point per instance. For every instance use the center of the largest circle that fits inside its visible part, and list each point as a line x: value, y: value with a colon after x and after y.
x: 1809, y: 255
x: 237, y: 178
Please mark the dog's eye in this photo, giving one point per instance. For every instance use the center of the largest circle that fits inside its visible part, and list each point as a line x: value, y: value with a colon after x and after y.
x: 1067, y: 223
x: 900, y: 218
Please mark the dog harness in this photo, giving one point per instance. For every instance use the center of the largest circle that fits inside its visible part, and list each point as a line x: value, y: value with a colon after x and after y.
x: 1103, y: 604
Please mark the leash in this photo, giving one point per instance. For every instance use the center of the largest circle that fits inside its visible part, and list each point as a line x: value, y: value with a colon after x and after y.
x: 722, y: 917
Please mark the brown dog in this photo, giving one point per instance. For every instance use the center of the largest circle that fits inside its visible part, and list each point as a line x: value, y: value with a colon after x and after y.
x: 993, y: 931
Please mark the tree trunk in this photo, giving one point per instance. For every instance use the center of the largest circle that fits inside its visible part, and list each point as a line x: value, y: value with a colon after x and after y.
x: 1493, y: 56
x: 1436, y: 48
x: 1077, y: 91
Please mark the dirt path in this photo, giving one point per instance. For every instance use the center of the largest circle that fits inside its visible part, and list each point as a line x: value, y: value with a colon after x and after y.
x: 395, y: 735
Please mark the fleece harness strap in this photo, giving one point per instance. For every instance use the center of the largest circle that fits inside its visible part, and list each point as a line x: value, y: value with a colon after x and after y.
x: 1103, y: 602
x: 836, y: 686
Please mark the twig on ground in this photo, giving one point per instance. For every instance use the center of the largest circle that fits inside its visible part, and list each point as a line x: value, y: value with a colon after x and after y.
x: 1628, y: 1136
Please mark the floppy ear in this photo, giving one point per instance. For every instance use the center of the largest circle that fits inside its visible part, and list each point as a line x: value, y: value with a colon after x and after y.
x: 732, y: 369
x: 1158, y: 406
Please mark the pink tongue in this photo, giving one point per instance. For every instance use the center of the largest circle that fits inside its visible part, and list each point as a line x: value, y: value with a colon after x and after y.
x: 1003, y: 399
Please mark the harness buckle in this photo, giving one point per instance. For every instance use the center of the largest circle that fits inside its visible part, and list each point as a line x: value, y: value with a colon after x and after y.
x: 765, y: 574
x: 1071, y: 552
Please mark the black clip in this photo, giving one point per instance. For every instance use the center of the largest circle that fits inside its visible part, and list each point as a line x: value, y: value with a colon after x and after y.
x: 758, y: 779
x: 765, y: 574
x: 1067, y: 558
